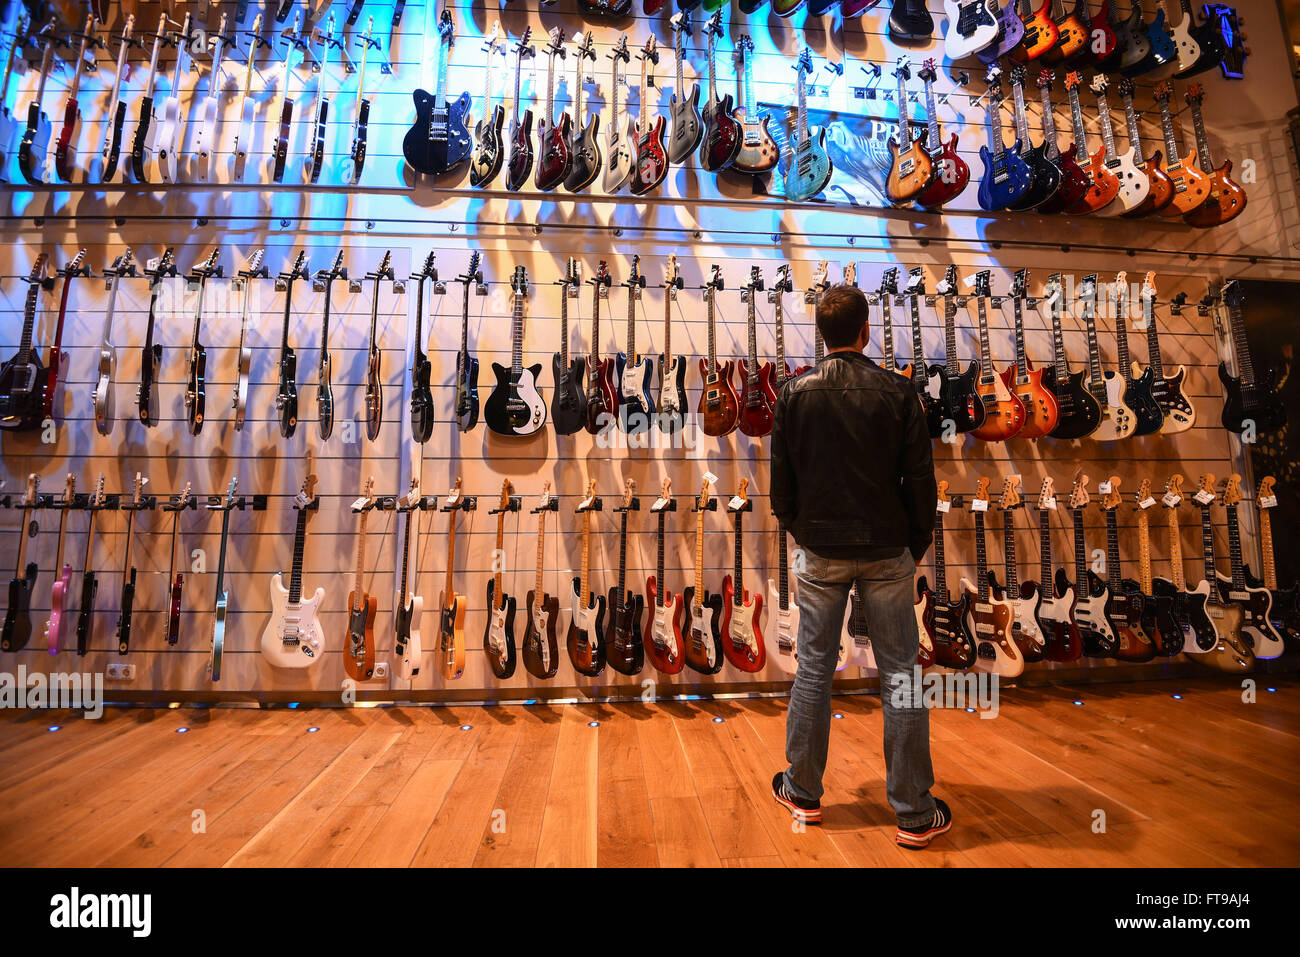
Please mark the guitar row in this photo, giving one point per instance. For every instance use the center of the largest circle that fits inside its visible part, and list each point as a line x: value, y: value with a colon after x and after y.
x: 598, y: 393
x: 1226, y: 621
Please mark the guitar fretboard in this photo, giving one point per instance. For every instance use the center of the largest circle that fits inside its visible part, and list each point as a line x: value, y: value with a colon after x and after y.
x: 940, y: 566
x: 1177, y: 575
x: 1245, y: 368
x: 1265, y: 547
x: 1051, y: 150
x: 1234, y: 548
x: 1113, y: 572
x: 659, y: 562
x: 1080, y: 551
x: 981, y: 558
x: 299, y: 541
x: 783, y: 569
x: 517, y: 335
x: 1207, y: 551
x: 740, y: 561
x: 1009, y: 552
x: 1144, y: 552
x: 1045, y: 551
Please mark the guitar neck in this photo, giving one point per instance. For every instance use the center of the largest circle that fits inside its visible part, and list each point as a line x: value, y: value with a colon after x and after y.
x: 1045, y: 551
x: 1114, y: 575
x: 1144, y: 552
x: 659, y: 562
x: 1207, y: 552
x: 358, y: 594
x: 1234, y: 548
x: 464, y: 321
x: 1153, y: 337
x: 631, y: 325
x: 668, y: 324
x: 1171, y: 138
x: 221, y: 561
x: 517, y: 335
x: 1107, y: 132
x: 1080, y: 552
x: 981, y: 559
x: 1245, y: 368
x: 1266, y: 549
x: 299, y: 543
x: 950, y: 335
x: 1202, y: 141
x: 1009, y: 553
x: 779, y: 373
x: 783, y: 569
x: 541, y: 555
x: 713, y: 355
x: 697, y: 597
x: 1022, y: 362
x: 1080, y: 130
x: 986, y: 361
x: 496, y: 578
x: 1176, y: 550
x: 622, y: 560
x: 448, y: 591
x: 740, y: 562
x: 406, y: 553
x: 1051, y: 149
x: 584, y: 588
x: 29, y: 323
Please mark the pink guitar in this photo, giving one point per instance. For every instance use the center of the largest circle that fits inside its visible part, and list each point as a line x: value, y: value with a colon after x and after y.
x: 60, y: 590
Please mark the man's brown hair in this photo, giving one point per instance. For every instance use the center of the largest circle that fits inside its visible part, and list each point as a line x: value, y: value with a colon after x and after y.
x: 841, y: 315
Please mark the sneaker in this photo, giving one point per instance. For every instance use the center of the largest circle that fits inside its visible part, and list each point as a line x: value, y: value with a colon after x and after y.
x: 809, y: 812
x: 909, y: 20
x: 918, y: 836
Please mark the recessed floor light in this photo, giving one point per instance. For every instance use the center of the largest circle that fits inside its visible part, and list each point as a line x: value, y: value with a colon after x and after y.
x: 466, y: 727
x: 1177, y: 697
x: 181, y: 730
x: 717, y: 721
x: 313, y: 729
x: 837, y: 715
x: 54, y: 727
x: 593, y: 724
x: 1078, y: 702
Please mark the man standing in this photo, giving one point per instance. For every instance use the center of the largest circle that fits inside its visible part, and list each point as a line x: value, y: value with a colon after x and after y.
x: 853, y: 482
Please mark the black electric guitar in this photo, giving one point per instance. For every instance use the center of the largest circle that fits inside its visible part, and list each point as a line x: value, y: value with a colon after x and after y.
x: 374, y: 382
x: 1256, y: 601
x: 286, y: 397
x: 1126, y: 604
x: 586, y: 638
x: 466, y: 364
x: 127, y: 604
x: 284, y: 132
x: 515, y: 406
x: 1078, y: 412
x: 489, y: 150
x: 1137, y: 381
x: 943, y: 618
x: 1092, y: 595
x: 624, y: 650
x: 316, y: 156
x: 151, y: 353
x: 928, y: 379
x: 196, y: 384
x: 34, y: 148
x: 1252, y: 396
x: 324, y: 387
x: 89, y: 582
x: 22, y: 378
x: 1180, y: 414
x: 957, y: 394
x: 569, y: 401
x: 1180, y: 614
x: 17, y: 629
x: 439, y: 140
x: 421, y: 367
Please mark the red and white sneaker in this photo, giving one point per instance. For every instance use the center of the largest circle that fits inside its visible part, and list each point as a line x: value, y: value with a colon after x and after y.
x: 809, y: 812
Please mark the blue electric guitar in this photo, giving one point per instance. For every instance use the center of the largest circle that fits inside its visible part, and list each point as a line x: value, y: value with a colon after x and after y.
x: 810, y: 166
x: 1006, y: 176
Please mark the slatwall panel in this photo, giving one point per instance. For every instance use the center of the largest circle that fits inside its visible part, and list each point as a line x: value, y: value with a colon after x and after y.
x: 708, y: 228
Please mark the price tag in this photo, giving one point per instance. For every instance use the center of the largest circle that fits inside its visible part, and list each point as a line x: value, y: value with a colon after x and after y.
x: 1051, y: 503
x: 659, y: 505
x: 970, y: 281
x: 943, y: 506
x: 1171, y: 500
x: 710, y: 478
x: 1268, y: 501
x: 1104, y: 488
x: 736, y: 502
x: 359, y: 504
x: 979, y: 505
x: 546, y: 498
x: 1204, y: 498
x: 1146, y: 502
x: 453, y: 498
x: 586, y: 502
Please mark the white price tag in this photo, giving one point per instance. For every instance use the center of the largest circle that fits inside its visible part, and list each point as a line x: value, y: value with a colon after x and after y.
x: 546, y: 499
x: 943, y: 505
x: 453, y: 498
x: 1204, y: 498
x: 710, y: 478
x: 979, y: 505
x: 1268, y: 501
x: 736, y: 502
x: 586, y: 502
x: 1104, y: 488
x: 659, y: 505
x: 1051, y: 503
x: 1171, y: 500
x: 970, y: 281
x: 359, y: 504
x: 1146, y: 502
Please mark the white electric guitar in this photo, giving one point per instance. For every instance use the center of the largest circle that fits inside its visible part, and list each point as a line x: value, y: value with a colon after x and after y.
x: 293, y: 637
x: 247, y: 110
x: 1107, y: 387
x: 9, y: 125
x: 253, y: 270
x: 989, y: 619
x: 168, y: 144
x: 104, y: 396
x: 783, y: 633
x: 663, y: 636
x: 205, y: 140
x: 407, y: 646
x: 1024, y: 627
x: 1134, y: 184
x: 1054, y: 610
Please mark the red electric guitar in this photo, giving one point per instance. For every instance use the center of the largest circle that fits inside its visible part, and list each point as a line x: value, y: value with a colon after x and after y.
x: 757, y: 393
x: 742, y: 612
x: 1041, y: 408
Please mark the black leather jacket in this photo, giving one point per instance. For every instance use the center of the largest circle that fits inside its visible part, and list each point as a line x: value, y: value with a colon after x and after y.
x: 852, y: 474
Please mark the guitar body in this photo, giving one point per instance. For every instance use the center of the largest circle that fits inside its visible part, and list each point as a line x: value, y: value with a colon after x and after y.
x: 1025, y: 631
x: 945, y: 622
x: 1208, y: 40
x: 195, y: 390
x: 1100, y: 635
x: 1256, y: 603
x: 718, y: 406
x: 652, y: 158
x: 1135, y: 48
x: 1040, y: 34
x: 243, y: 375
x: 1004, y: 413
x: 673, y: 404
x: 568, y: 401
x: 22, y: 393
x: 1103, y: 186
x: 989, y: 623
x: 432, y: 155
x: 466, y: 392
x: 1204, y: 632
x: 521, y: 153
x: 244, y: 139
x: 408, y: 648
x: 620, y: 161
x: 810, y: 169
x: 1041, y: 411
x: 1073, y: 185
x: 1139, y: 397
x: 702, y: 634
x: 972, y: 26
x: 585, y: 640
x: 168, y: 143
x: 56, y: 374
x: 86, y: 613
x: 541, y: 649
x: 1004, y: 181
x: 34, y: 150
x: 686, y: 130
x: 1055, y: 614
x: 1134, y: 183
x: 1226, y: 201
x: 65, y: 150
x: 515, y: 407
x: 910, y: 169
x: 451, y: 635
x: 1164, y: 52
x: 374, y: 396
x: 293, y: 637
x: 1230, y: 653
x: 782, y: 633
x: 105, y: 396
x: 218, y: 636
x: 1011, y: 30
x: 1173, y: 618
x: 1046, y: 178
x: 17, y: 629
x: 742, y: 635
x: 286, y: 400
x: 58, y: 595
x: 1260, y: 404
x: 174, y: 610
x: 147, y: 395
x: 1117, y: 419
x: 624, y: 651
x: 636, y: 407
x: 359, y: 652
x: 1103, y: 44
x: 325, y: 397
x: 959, y: 399
x: 489, y: 148
x: 722, y: 135
x: 951, y: 174
x: 1126, y: 609
x: 931, y: 395
x: 357, y: 154
x: 584, y: 152
x: 421, y: 398
x: 554, y: 158
x: 756, y: 401
x: 1072, y: 37
x: 205, y: 140
x: 662, y: 642
x: 602, y: 397
x: 1078, y: 411
x: 758, y: 152
x: 1191, y: 186
x: 125, y: 606
x: 925, y: 640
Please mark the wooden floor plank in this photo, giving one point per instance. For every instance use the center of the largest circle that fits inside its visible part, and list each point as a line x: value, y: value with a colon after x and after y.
x: 568, y: 834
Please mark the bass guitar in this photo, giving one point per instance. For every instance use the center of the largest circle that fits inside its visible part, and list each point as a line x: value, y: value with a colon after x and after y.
x: 374, y: 380
x: 499, y: 633
x: 176, y: 578
x: 521, y: 127
x: 1004, y: 413
x: 624, y: 650
x: 541, y: 648
x: 286, y: 398
x: 586, y: 637
x: 293, y: 638
x: 686, y: 131
x: 1029, y: 638
x: 810, y: 166
x: 221, y: 597
x: 89, y: 581
x: 989, y: 617
x: 489, y: 149
x: 723, y: 136
x: 1226, y: 200
x: 359, y: 645
x: 516, y: 407
x: 1256, y: 601
x: 1138, y: 395
x: 65, y: 149
x: 951, y: 173
x: 1180, y: 613
x: 129, y: 574
x: 1092, y: 595
x: 1250, y: 397
x: 1125, y: 601
x: 1230, y: 650
x: 324, y: 385
x: 1078, y: 412
x: 196, y: 384
x: 758, y: 393
x: 439, y: 140
x: 164, y: 267
x: 742, y: 612
x: 719, y: 405
x: 703, y: 636
x: 23, y: 378
x: 634, y: 371
x: 662, y: 642
x: 1006, y: 177
x: 408, y: 647
x: 253, y: 269
x: 104, y: 398
x: 584, y: 148
x: 554, y: 158
x: 1025, y: 382
x: 467, y: 406
x: 620, y: 136
x: 421, y: 367
x: 17, y: 628
x: 1053, y: 597
x: 672, y: 402
x: 59, y: 597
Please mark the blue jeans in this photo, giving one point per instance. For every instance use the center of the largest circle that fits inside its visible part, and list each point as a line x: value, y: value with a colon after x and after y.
x: 885, y: 587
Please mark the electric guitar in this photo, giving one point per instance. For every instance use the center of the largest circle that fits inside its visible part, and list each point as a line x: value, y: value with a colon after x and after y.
x: 601, y: 396
x: 1074, y: 181
x: 1285, y: 616
x: 467, y: 406
x: 1103, y: 44
x: 170, y: 134
x: 421, y: 367
x: 286, y: 399
x: 1124, y: 604
x: 516, y: 406
x: 115, y: 119
x: 1159, y: 188
x: 17, y: 628
x: 104, y: 398
x: 1004, y: 413
x: 1226, y: 200
x: 758, y: 393
x: 1255, y: 600
x: 584, y: 148
x: 723, y: 136
x: 1178, y: 413
x: 541, y: 649
x: 1108, y: 387
x: 1229, y: 651
x: 374, y: 381
x: 776, y: 297
x: 1073, y: 33
x: 89, y: 581
x: 56, y: 366
x: 1053, y: 597
x: 719, y: 405
x: 742, y: 612
x: 438, y: 141
x: 929, y: 380
x: 205, y: 139
x: 65, y: 149
x: 221, y: 598
x: 1041, y: 32
x: 634, y: 371
x: 702, y: 636
x: 1092, y: 594
x: 1041, y: 410
x: 489, y: 149
x: 59, y: 590
x: 1251, y: 397
x: 651, y: 156
x: 1025, y: 632
x: 886, y: 294
x: 1078, y: 411
x: 361, y: 114
x: 253, y: 269
x: 989, y: 618
x: 1157, y: 622
x: 243, y: 142
x: 758, y: 152
x: 8, y: 119
x: 944, y: 620
x: 408, y: 647
x: 1134, y: 54
x: 175, y: 578
x: 1134, y: 184
x: 620, y: 136
x: 1137, y: 381
x: 951, y: 173
x: 554, y: 158
x: 315, y: 159
x: 586, y: 637
x: 810, y: 166
x: 662, y: 642
x: 1180, y: 613
x: 972, y: 26
x: 959, y: 398
x: 294, y: 638
x: 1006, y: 177
x: 359, y: 645
x: 812, y: 297
x: 672, y: 403
x: 1103, y: 184
x: 34, y: 148
x: 1045, y: 174
x: 164, y: 267
x: 127, y: 602
x: 324, y: 385
x: 684, y: 108
x: 196, y: 385
x: 624, y: 650
x: 1201, y: 46
x: 23, y: 378
x: 910, y: 169
x: 1191, y: 186
x: 1164, y: 53
x: 521, y: 128
x: 1011, y: 30
x: 499, y: 633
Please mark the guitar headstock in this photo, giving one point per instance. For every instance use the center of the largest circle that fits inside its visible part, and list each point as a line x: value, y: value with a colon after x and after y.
x: 1045, y: 79
x: 743, y: 493
x: 253, y: 266
x: 851, y: 274
x: 1163, y: 93
x: 982, y: 284
x: 673, y: 273
x: 1019, y: 281
x: 413, y: 495
x: 1079, y: 492
x: 1205, y: 494
x: 942, y: 499
x: 1232, y: 294
x: 368, y: 492
x: 1143, y: 492
x: 820, y: 274
x: 571, y: 276
x: 744, y: 45
x: 1054, y: 291
x: 635, y: 279
x: 1110, y: 500
x: 299, y: 268
x: 208, y: 268
x: 587, y: 48
x: 519, y: 283
x: 928, y: 72
x: 714, y: 26
x: 1047, y: 495
x: 916, y: 281
x: 948, y: 284
x: 1088, y: 293
x: 123, y: 265
x: 1232, y: 490
x: 703, y: 501
x: 650, y: 51
x: 183, y: 499
x: 97, y: 496
x: 715, y: 280
x: 427, y: 271
x: 1195, y: 95
x: 455, y: 495
x: 666, y: 489
x: 545, y: 498
x: 1264, y: 497
x: 1125, y: 87
x: 33, y: 489
x: 783, y: 282
x: 164, y: 265
x: 445, y: 26
x: 629, y: 492
x: 904, y: 69
x: 385, y: 270
x: 993, y: 77
x: 75, y: 265
x: 1018, y: 75
x: 804, y: 64
x: 889, y: 282
x: 681, y: 22
x: 755, y: 279
x: 1120, y: 288
x: 493, y: 38
x: 137, y: 490
x: 70, y: 489
x: 1173, y: 491
x: 1099, y: 84
x: 1010, y: 497
x: 506, y: 491
x: 591, y: 490
x: 620, y: 50
x: 305, y: 497
x: 336, y: 270
x: 981, y: 491
x: 1072, y: 80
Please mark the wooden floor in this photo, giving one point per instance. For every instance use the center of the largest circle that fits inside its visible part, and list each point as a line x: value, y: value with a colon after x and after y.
x: 1205, y: 780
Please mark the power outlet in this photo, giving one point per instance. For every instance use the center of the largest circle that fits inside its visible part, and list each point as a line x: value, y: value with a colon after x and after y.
x: 381, y: 670
x: 121, y: 672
